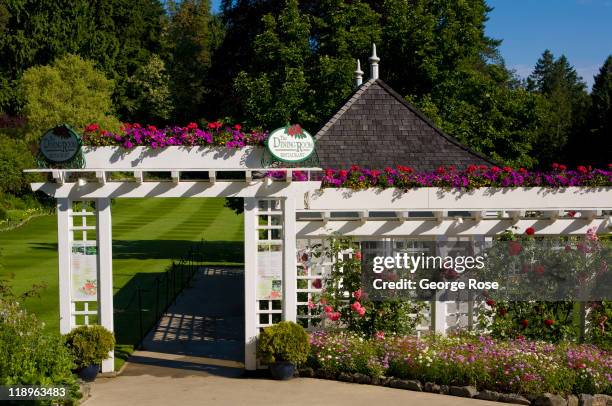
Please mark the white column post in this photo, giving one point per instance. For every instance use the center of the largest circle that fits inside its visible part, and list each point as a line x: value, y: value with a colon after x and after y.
x: 250, y: 283
x: 289, y: 261
x: 438, y: 313
x: 64, y: 252
x: 438, y: 307
x: 105, y: 273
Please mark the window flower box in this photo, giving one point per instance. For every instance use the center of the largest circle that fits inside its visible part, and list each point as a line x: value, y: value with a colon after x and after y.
x: 172, y: 157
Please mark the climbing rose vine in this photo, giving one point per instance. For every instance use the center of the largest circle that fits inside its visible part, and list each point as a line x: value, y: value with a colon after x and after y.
x: 215, y: 133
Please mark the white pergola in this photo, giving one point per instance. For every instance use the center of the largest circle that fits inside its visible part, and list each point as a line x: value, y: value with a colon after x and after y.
x: 304, y: 212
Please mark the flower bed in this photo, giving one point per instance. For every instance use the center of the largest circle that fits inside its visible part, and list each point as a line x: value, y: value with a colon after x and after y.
x: 528, y: 368
x: 404, y: 177
x: 134, y: 135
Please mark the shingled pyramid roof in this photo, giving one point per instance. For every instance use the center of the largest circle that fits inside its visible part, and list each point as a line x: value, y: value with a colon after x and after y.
x: 377, y: 128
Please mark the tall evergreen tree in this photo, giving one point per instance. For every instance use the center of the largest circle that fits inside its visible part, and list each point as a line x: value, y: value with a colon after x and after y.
x: 194, y: 34
x: 276, y: 90
x: 341, y: 31
x: 567, y: 103
x: 600, y: 124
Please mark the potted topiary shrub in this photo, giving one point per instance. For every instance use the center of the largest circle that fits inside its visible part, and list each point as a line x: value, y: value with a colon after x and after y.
x: 282, y: 346
x: 89, y: 345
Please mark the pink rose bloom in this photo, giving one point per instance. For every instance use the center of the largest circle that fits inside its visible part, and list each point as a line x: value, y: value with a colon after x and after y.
x: 334, y: 316
x: 356, y: 306
x: 328, y: 309
x: 358, y: 256
x: 357, y: 294
x: 361, y: 311
x: 379, y: 335
x: 311, y: 305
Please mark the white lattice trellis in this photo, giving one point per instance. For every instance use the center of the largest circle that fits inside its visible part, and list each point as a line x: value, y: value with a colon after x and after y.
x: 83, y: 229
x: 269, y: 227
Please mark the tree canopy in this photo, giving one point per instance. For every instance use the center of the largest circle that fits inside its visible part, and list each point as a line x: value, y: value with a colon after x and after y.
x: 71, y: 91
x: 268, y: 62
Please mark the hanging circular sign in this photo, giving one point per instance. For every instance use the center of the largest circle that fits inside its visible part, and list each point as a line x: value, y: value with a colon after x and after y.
x: 60, y: 144
x: 290, y: 144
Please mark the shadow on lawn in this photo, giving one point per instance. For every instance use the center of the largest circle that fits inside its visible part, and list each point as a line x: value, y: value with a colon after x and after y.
x: 214, y: 252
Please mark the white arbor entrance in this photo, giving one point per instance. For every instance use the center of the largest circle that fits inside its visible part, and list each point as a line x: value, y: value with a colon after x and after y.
x: 281, y: 215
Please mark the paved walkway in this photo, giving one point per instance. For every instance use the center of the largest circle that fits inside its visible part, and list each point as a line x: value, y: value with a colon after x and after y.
x: 207, y: 319
x: 184, y: 382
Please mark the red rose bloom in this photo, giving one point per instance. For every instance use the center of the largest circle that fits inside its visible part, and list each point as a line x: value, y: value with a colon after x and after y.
x: 524, y: 322
x: 491, y: 302
x: 530, y: 231
x: 539, y: 269
x: 549, y: 322
x: 514, y: 248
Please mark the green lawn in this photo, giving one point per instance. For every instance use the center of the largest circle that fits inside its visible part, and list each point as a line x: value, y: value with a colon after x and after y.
x: 147, y: 235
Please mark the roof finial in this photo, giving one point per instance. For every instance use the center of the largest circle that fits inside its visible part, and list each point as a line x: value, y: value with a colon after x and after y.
x: 374, y: 63
x: 359, y: 74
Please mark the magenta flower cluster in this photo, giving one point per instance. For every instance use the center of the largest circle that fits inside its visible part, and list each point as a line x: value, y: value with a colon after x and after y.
x: 515, y: 366
x: 473, y: 177
x: 133, y: 135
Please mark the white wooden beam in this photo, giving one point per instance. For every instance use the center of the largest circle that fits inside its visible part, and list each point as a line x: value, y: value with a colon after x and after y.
x: 289, y: 176
x: 212, y: 177
x: 478, y: 215
x: 250, y: 284
x: 176, y: 177
x: 440, y: 215
x: 58, y: 176
x: 64, y: 253
x: 553, y: 215
x: 248, y: 176
x: 363, y: 216
x: 326, y: 217
x: 139, y: 178
x: 533, y: 199
x: 289, y: 279
x: 515, y: 215
x: 590, y: 215
x: 101, y: 176
x: 402, y: 215
x: 448, y: 227
x: 105, y: 272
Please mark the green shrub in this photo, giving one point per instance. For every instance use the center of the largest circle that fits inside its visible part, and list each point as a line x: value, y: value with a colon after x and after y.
x: 285, y: 341
x: 70, y: 90
x: 90, y: 344
x: 14, y: 158
x: 28, y: 355
x: 3, y: 213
